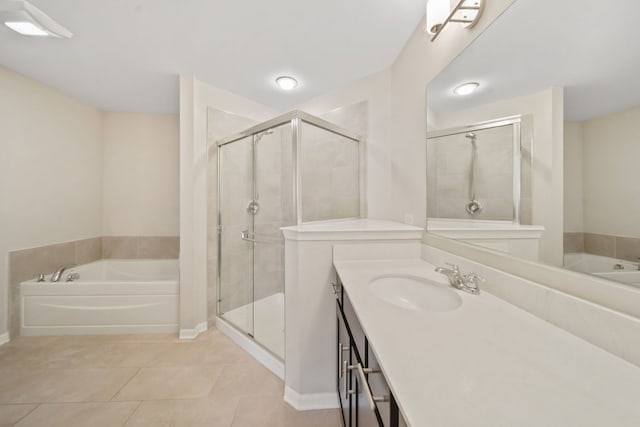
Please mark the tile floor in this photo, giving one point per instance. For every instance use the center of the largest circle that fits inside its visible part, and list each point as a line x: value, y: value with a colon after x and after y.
x: 142, y: 380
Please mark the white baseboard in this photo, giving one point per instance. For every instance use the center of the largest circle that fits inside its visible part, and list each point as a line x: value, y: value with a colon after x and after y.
x: 191, y: 334
x: 4, y: 338
x: 267, y: 359
x: 306, y: 402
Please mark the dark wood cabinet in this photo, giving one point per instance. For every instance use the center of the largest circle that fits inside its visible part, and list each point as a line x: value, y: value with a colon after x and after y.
x: 365, y: 398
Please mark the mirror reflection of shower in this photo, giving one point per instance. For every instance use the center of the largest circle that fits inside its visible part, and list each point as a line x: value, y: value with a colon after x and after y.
x: 473, y: 207
x: 480, y: 172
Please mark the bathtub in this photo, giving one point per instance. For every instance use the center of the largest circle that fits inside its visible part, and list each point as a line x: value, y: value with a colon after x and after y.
x: 603, y: 267
x: 109, y: 297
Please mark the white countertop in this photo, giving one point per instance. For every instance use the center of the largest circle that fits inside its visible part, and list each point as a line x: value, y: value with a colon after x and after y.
x: 353, y: 229
x: 488, y: 363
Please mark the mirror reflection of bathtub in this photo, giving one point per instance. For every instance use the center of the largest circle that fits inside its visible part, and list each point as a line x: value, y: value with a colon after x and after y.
x: 608, y: 268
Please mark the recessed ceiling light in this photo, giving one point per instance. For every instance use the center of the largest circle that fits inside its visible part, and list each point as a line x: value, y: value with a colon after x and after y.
x: 286, y: 82
x: 466, y: 88
x: 26, y: 28
x: 26, y: 19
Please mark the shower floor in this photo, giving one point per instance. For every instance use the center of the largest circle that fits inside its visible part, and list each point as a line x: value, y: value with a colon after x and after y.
x: 268, y: 321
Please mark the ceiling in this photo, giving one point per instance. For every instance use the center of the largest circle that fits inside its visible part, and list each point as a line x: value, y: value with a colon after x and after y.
x: 589, y: 47
x: 126, y: 54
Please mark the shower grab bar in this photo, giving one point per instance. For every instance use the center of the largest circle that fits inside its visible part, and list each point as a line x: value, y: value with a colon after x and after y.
x: 251, y: 237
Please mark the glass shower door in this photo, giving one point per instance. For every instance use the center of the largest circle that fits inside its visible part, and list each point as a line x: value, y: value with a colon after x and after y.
x: 236, y: 281
x: 273, y: 208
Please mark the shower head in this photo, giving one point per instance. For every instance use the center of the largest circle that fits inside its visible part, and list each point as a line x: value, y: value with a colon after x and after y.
x: 470, y: 135
x: 258, y: 136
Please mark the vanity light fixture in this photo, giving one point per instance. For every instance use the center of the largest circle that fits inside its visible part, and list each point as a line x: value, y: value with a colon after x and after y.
x: 26, y: 19
x: 439, y: 14
x: 286, y: 82
x: 466, y: 88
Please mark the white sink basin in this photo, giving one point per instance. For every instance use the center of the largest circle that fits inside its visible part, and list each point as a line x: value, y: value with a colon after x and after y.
x: 415, y: 293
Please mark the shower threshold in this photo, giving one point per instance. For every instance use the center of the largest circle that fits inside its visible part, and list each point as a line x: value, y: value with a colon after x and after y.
x: 268, y: 321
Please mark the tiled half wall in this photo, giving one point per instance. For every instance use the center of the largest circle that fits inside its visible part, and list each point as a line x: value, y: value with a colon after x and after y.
x: 26, y: 264
x: 626, y: 248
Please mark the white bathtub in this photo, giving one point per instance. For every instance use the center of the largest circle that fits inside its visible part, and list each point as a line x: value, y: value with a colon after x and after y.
x: 604, y: 267
x: 109, y: 297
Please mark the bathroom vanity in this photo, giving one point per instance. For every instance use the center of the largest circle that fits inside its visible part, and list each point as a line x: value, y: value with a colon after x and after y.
x: 365, y: 397
x: 480, y: 362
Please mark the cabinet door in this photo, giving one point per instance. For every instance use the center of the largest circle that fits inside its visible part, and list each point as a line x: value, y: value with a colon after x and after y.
x: 356, y: 331
x: 366, y: 416
x: 379, y: 388
x: 344, y: 375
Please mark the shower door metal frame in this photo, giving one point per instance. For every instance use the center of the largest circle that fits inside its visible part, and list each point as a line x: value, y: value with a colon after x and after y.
x: 516, y: 122
x: 295, y: 119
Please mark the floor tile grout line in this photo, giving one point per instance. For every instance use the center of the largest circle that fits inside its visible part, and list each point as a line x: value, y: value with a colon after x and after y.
x: 132, y: 413
x: 27, y: 414
x: 125, y: 384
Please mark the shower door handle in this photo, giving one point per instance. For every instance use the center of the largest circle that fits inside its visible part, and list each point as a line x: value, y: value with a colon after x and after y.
x: 248, y: 236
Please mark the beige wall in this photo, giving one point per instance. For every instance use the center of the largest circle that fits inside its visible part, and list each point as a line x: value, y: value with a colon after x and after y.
x: 50, y: 170
x: 609, y: 174
x: 573, y: 203
x: 546, y: 107
x: 141, y: 182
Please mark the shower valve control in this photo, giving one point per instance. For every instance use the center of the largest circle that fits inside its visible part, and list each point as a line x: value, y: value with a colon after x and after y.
x: 253, y: 207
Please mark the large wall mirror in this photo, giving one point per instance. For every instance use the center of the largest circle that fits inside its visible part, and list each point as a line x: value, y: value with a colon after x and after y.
x: 570, y: 70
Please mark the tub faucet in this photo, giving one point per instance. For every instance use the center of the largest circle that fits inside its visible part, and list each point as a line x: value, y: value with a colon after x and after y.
x: 467, y: 282
x: 58, y: 274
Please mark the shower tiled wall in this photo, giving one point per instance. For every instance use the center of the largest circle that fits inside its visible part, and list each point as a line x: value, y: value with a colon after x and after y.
x: 27, y: 264
x: 330, y: 185
x: 625, y: 248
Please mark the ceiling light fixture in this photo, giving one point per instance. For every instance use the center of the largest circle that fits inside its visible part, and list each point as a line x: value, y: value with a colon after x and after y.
x: 466, y: 88
x: 26, y: 19
x: 286, y: 82
x: 439, y: 14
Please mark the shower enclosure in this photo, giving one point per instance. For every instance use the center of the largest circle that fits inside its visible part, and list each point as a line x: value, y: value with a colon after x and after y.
x: 480, y: 172
x: 293, y: 169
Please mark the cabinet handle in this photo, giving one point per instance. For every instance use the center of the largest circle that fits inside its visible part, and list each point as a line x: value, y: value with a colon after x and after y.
x: 344, y: 379
x: 341, y: 350
x: 367, y: 391
x: 345, y: 368
x: 336, y: 288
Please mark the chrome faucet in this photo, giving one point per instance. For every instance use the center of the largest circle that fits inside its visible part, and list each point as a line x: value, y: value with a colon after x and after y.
x: 467, y: 282
x: 58, y: 274
x: 453, y: 274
